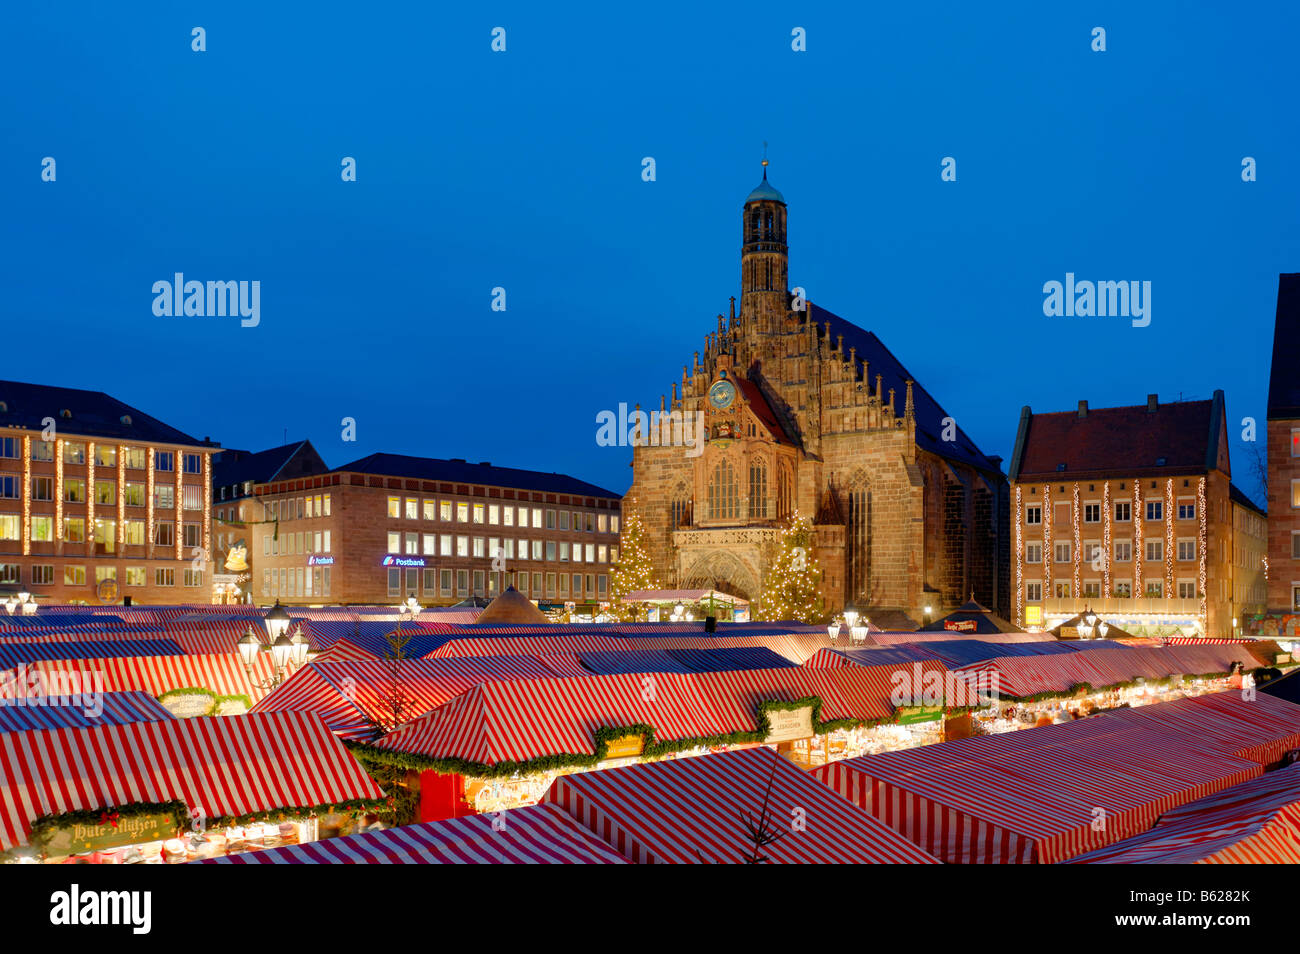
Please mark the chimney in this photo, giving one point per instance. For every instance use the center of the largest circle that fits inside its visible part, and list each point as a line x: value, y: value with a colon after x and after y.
x: 1083, y: 408
x: 1152, y: 403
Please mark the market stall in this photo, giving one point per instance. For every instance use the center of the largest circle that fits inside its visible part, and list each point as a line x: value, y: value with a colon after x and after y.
x: 539, y: 834
x: 359, y: 699
x: 1256, y: 822
x: 698, y: 810
x: 173, y: 790
x: 23, y: 714
x: 1039, y: 796
x: 501, y: 744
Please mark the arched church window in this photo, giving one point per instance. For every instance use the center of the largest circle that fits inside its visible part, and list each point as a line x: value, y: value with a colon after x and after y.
x: 724, y: 493
x: 783, y: 492
x: 758, y: 488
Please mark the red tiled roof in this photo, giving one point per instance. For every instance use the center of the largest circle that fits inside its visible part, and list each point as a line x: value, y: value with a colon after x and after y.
x: 1129, y: 439
x: 762, y: 410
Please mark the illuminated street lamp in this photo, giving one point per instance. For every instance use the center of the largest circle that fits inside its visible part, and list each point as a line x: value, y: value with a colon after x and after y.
x: 284, y: 650
x: 859, y: 633
x: 851, y: 617
x: 833, y: 630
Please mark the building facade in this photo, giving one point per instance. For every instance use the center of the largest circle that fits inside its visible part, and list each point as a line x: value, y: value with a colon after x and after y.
x: 1249, y: 558
x: 388, y: 527
x: 236, y: 511
x: 1126, y: 511
x: 99, y: 501
x: 802, y: 411
x: 1284, y: 463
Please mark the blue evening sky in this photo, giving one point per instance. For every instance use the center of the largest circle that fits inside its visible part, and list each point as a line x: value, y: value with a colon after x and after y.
x: 523, y: 170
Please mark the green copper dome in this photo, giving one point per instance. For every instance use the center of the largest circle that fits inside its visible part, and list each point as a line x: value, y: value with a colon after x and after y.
x: 765, y: 192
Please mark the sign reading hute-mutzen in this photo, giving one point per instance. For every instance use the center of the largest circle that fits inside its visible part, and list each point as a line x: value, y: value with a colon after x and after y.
x: 787, y: 725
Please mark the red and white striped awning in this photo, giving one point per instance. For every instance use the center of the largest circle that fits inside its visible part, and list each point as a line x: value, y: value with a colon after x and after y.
x: 221, y: 766
x: 796, y: 647
x: 892, y: 639
x: 538, y: 834
x: 689, y: 811
x: 1040, y: 795
x: 1256, y: 822
x: 1260, y: 729
x: 222, y: 674
x: 522, y: 720
x: 355, y: 695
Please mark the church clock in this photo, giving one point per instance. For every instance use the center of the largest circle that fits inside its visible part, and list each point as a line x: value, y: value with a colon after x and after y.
x: 722, y: 394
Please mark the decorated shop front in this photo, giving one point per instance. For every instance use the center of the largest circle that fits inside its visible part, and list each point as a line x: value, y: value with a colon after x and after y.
x: 175, y: 790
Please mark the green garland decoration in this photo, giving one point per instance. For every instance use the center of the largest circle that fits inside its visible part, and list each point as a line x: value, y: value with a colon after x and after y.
x: 180, y: 812
x: 653, y: 748
x: 1086, y: 687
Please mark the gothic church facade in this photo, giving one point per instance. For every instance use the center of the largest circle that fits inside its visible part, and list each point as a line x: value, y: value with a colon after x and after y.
x: 806, y: 412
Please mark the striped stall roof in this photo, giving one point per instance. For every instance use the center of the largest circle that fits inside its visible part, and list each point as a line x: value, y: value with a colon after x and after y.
x: 608, y: 662
x: 694, y: 810
x: 1256, y: 822
x: 725, y: 660
x: 538, y: 834
x: 14, y: 654
x: 1034, y: 795
x: 893, y: 639
x: 222, y: 674
x: 223, y: 766
x: 795, y: 648
x: 519, y: 721
x: 830, y: 658
x: 563, y: 664
x: 56, y: 712
x: 359, y: 692
x: 1260, y: 730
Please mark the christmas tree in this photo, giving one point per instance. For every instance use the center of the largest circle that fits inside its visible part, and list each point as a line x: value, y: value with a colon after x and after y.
x: 792, y: 589
x: 634, y: 570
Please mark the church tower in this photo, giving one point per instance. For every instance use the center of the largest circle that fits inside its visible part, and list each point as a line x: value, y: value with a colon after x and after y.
x: 764, y: 262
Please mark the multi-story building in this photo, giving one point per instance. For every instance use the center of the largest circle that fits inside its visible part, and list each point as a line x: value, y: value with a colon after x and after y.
x: 388, y: 527
x: 1284, y: 462
x: 236, y: 511
x: 800, y: 410
x: 1249, y: 557
x: 99, y: 501
x: 1125, y: 510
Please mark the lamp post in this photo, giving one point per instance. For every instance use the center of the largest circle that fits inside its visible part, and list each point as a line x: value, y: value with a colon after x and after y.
x: 283, y: 648
x: 858, y: 633
x: 833, y: 630
x: 929, y: 610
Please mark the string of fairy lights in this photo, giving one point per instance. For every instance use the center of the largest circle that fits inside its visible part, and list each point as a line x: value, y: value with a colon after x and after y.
x: 1020, y: 560
x: 1142, y: 574
x: 1107, y: 552
x: 1077, y: 553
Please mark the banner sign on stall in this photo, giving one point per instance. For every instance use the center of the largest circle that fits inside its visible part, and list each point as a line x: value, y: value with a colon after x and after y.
x: 914, y: 715
x: 624, y: 747
x: 188, y: 703
x: 133, y: 830
x: 959, y: 625
x: 788, y: 725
